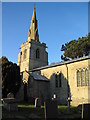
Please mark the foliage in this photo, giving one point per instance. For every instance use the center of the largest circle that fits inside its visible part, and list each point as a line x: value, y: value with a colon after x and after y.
x: 76, y: 48
x: 10, y: 77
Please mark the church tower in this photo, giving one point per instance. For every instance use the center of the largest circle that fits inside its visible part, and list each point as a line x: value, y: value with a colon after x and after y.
x: 32, y: 53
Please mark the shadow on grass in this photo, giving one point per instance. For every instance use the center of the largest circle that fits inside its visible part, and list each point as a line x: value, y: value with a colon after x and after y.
x: 24, y: 113
x: 27, y: 111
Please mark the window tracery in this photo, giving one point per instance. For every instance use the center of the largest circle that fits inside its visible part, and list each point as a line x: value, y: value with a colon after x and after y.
x: 83, y: 77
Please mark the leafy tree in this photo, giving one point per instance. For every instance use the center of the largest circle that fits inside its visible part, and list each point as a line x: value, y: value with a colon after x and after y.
x: 76, y: 48
x: 11, y: 79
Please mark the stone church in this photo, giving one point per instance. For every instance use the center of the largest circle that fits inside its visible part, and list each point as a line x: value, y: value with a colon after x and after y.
x: 70, y: 79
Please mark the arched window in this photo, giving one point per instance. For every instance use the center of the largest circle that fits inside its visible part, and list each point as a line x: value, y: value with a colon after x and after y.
x: 37, y: 54
x: 60, y: 80
x: 25, y: 53
x: 78, y: 78
x: 56, y: 80
x: 82, y: 78
x: 87, y: 76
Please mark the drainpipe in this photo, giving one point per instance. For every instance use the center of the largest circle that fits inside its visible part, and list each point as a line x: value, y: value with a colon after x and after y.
x: 67, y: 82
x: 68, y: 90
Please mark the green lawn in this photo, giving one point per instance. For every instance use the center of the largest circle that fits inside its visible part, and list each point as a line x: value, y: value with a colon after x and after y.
x: 62, y: 107
x: 27, y: 111
x: 33, y: 106
x: 26, y: 106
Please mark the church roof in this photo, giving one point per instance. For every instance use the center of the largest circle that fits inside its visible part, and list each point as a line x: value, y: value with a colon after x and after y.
x: 37, y: 76
x: 61, y: 63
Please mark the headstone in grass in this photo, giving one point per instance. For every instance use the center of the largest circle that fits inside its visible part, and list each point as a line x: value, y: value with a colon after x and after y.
x: 37, y: 102
x: 86, y: 111
x: 10, y: 103
x: 10, y: 95
x: 51, y: 109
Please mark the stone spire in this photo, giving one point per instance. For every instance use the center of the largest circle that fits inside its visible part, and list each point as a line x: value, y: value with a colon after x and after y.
x: 33, y: 31
x: 34, y: 14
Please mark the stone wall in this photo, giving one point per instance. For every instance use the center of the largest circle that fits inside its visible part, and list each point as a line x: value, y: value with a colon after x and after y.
x: 61, y: 92
x: 43, y: 55
x: 69, y: 80
x: 38, y: 89
x: 30, y: 61
x: 78, y: 94
x: 20, y: 95
x: 24, y: 62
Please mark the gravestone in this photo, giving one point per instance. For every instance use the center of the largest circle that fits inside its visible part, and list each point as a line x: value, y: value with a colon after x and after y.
x: 51, y: 109
x: 10, y: 95
x: 86, y: 111
x: 10, y: 103
x: 37, y: 102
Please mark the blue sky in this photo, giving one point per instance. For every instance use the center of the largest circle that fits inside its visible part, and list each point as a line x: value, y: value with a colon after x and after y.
x: 58, y: 23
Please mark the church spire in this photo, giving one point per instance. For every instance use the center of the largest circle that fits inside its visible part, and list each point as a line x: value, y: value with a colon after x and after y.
x: 33, y: 31
x: 34, y: 14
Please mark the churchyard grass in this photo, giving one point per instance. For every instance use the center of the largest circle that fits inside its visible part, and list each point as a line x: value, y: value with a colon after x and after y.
x: 26, y: 106
x: 62, y: 107
x: 27, y: 111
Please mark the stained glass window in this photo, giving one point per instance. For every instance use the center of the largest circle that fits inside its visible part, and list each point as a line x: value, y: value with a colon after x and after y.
x: 56, y: 80
x: 82, y: 78
x: 78, y: 78
x: 87, y: 76
x: 60, y: 80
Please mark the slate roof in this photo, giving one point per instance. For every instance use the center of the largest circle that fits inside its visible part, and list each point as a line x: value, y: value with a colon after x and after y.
x: 60, y: 63
x: 37, y: 76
